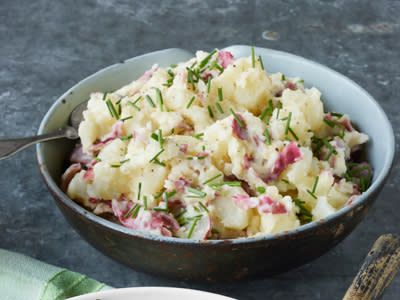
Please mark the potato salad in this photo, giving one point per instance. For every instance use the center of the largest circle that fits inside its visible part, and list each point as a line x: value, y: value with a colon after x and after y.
x: 215, y: 148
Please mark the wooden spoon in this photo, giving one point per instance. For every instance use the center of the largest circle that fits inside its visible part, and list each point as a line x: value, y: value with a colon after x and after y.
x: 379, y: 268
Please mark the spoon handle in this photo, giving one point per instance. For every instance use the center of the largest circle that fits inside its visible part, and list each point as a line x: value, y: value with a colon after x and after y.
x: 379, y: 268
x: 9, y: 147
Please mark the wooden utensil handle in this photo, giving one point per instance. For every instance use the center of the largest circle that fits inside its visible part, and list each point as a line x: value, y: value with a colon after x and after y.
x: 378, y: 270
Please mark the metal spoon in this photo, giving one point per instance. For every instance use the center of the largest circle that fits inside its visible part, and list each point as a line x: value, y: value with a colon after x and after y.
x: 9, y: 147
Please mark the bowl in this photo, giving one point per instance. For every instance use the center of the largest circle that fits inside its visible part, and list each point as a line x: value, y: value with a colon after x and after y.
x: 221, y: 260
x: 151, y: 293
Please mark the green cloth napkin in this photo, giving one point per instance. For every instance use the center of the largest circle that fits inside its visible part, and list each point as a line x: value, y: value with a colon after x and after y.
x: 25, y: 278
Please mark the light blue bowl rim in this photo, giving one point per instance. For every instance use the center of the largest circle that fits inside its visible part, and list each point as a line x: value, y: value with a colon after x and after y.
x: 379, y: 181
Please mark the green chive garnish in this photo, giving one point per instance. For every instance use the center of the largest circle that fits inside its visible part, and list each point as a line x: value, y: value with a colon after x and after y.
x: 104, y: 96
x: 190, y: 102
x: 268, y: 138
x: 293, y: 133
x: 261, y: 62
x: 286, y: 181
x: 199, y: 135
x: 127, y: 118
x: 219, y: 108
x: 206, y: 59
x: 264, y: 113
x: 139, y: 190
x: 315, y: 184
x: 112, y: 110
x: 220, y: 97
x: 210, y: 112
x: 208, y: 84
x: 157, y: 162
x: 157, y: 155
x: 203, y: 206
x: 144, y: 202
x: 197, y: 193
x: 211, y: 179
x: 283, y: 78
x: 260, y: 189
x: 137, y: 207
x: 160, y: 99
x: 237, y: 118
x: 288, y: 123
x: 312, y: 194
x: 130, y: 211
x: 148, y: 98
x: 126, y: 137
x: 192, y: 228
x: 124, y: 161
x: 159, y: 194
x: 253, y: 59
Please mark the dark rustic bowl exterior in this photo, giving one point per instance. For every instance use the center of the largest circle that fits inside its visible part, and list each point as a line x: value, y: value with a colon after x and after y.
x: 214, y: 261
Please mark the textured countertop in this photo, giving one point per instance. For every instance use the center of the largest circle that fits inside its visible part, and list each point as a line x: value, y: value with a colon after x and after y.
x: 48, y: 46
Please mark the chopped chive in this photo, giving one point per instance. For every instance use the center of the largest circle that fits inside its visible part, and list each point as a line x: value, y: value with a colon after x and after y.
x: 160, y: 138
x: 160, y: 209
x: 197, y: 193
x: 159, y: 194
x: 229, y: 183
x: 336, y: 115
x: 154, y: 136
x: 293, y: 133
x: 119, y: 109
x: 97, y: 158
x: 115, y: 166
x: 203, y: 206
x: 134, y: 105
x: 172, y: 131
x: 157, y: 162
x: 315, y: 184
x: 330, y: 147
x: 277, y: 113
x: 127, y: 137
x: 199, y: 135
x: 219, y: 107
x: 215, y: 231
x: 253, y: 59
x: 260, y: 189
x: 173, y: 66
x: 196, y: 209
x: 112, y: 110
x: 170, y: 73
x: 189, y: 158
x: 208, y: 84
x: 190, y: 78
x: 312, y: 194
x: 283, y: 78
x: 268, y: 138
x: 206, y: 59
x: 148, y: 98
x: 285, y: 181
x: 124, y: 161
x: 210, y: 112
x: 220, y: 96
x: 104, y: 96
x: 190, y: 102
x: 211, y: 179
x: 139, y: 190
x: 261, y: 62
x: 288, y: 123
x: 264, y: 113
x: 119, y: 101
x: 180, y: 214
x: 136, y: 211
x: 130, y: 211
x: 145, y: 202
x: 192, y: 228
x: 157, y: 155
x: 203, y: 148
x: 160, y: 99
x: 127, y: 118
x: 237, y: 118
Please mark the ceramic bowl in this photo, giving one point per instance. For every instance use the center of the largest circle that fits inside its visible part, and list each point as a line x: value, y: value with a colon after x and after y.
x: 221, y: 260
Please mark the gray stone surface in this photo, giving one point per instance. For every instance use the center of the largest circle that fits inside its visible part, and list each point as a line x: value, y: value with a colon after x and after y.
x: 47, y: 46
